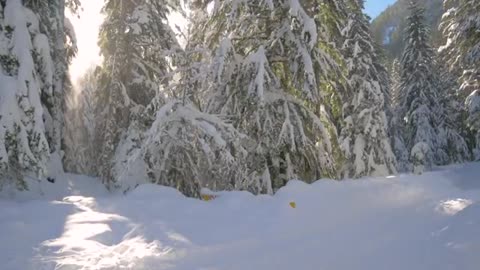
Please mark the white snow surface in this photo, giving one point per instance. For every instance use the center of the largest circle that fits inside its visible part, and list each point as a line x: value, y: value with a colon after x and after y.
x: 428, y: 221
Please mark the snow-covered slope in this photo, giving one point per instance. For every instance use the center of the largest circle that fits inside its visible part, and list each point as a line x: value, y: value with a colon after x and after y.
x: 422, y: 222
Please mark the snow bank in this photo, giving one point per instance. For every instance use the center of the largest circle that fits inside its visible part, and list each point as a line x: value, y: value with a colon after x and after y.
x: 431, y: 221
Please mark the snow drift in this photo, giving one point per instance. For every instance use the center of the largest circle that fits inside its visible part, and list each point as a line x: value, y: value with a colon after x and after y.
x: 422, y: 222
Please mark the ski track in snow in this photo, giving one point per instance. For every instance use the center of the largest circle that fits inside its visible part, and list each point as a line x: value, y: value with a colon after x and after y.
x: 404, y: 222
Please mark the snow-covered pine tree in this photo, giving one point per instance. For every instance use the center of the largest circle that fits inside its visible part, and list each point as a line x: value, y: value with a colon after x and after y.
x: 184, y: 147
x: 330, y: 18
x: 452, y: 128
x: 380, y: 62
x: 55, y: 65
x: 266, y: 75
x: 461, y: 54
x: 80, y: 126
x: 473, y: 120
x: 23, y: 144
x: 135, y: 40
x: 395, y: 83
x: 54, y: 53
x: 452, y: 146
x: 33, y: 68
x: 364, y: 138
x: 419, y: 90
x: 396, y: 125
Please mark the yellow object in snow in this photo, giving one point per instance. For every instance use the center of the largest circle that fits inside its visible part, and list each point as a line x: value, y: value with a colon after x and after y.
x: 208, y: 197
x: 293, y: 205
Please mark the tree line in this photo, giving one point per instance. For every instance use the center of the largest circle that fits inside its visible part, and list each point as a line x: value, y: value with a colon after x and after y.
x: 252, y: 94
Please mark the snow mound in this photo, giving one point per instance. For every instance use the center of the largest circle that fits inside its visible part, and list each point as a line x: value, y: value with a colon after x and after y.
x: 430, y: 221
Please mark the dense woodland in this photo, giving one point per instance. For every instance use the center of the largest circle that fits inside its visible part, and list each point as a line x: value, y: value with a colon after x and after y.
x: 250, y: 95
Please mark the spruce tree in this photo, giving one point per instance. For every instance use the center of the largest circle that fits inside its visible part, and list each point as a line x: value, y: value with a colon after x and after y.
x: 380, y: 62
x: 183, y: 148
x: 461, y: 55
x: 59, y: 34
x: 419, y: 101
x: 180, y: 145
x: 135, y: 41
x: 267, y: 76
x: 395, y: 83
x: 330, y: 18
x: 453, y: 130
x: 364, y: 138
x: 81, y: 125
x: 396, y: 126
x: 33, y: 58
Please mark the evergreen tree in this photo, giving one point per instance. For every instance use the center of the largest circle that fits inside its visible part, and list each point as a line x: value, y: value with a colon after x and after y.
x: 364, y: 138
x: 461, y: 55
x: 380, y: 62
x: 330, y: 18
x: 53, y: 73
x: 81, y: 126
x: 23, y: 144
x: 182, y: 146
x: 473, y: 120
x: 396, y: 125
x: 267, y: 75
x: 388, y: 26
x: 33, y: 58
x: 395, y: 84
x: 452, y: 129
x: 135, y: 40
x: 426, y: 134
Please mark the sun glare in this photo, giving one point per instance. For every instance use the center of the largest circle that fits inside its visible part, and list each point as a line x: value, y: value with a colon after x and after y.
x: 86, y: 25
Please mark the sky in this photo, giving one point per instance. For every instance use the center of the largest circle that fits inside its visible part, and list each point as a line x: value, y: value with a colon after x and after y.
x: 86, y: 29
x: 87, y: 24
x: 374, y: 7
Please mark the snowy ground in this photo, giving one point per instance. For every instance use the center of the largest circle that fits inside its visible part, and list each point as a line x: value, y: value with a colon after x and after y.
x: 407, y: 222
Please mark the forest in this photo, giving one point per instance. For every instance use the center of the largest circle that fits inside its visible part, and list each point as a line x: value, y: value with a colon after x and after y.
x: 248, y: 96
